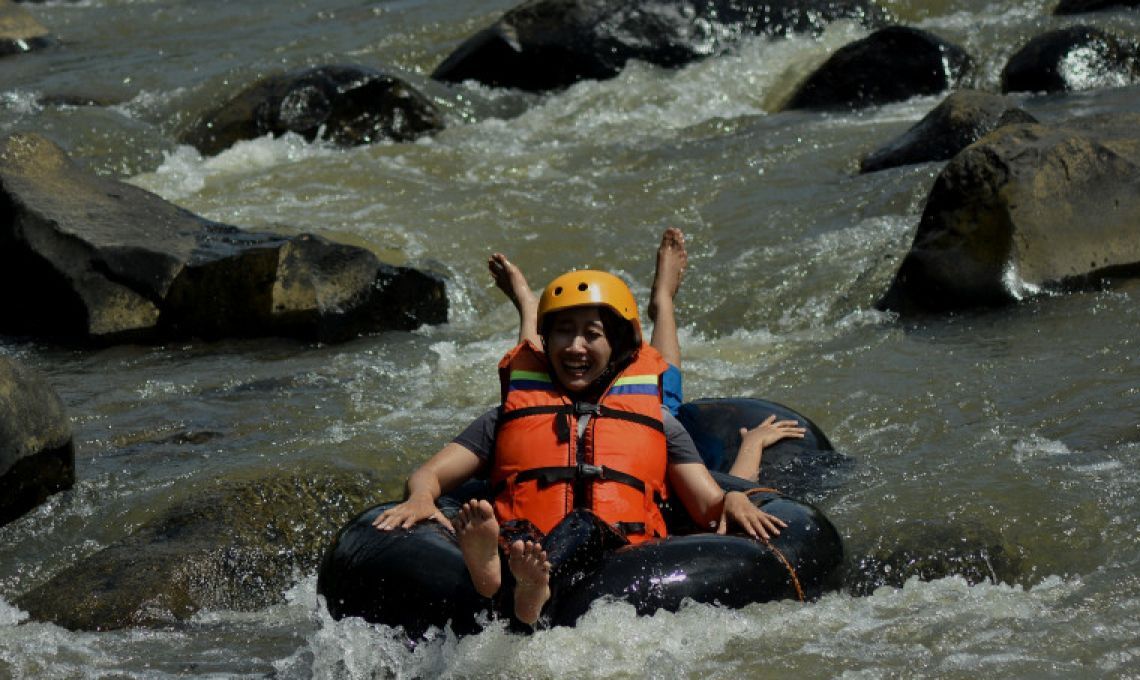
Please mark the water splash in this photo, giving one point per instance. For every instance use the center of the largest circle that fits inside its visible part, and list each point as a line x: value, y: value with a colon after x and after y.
x: 185, y: 171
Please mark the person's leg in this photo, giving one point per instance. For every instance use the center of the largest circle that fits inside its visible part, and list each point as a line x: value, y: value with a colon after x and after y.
x: 478, y: 534
x: 531, y: 570
x: 511, y: 281
x: 671, y: 262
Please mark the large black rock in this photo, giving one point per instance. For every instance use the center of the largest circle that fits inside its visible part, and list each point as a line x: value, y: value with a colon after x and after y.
x: 1082, y: 6
x: 102, y: 261
x: 960, y: 120
x: 348, y: 105
x: 1072, y: 59
x: 1027, y: 208
x: 550, y: 44
x: 892, y: 64
x: 37, y: 456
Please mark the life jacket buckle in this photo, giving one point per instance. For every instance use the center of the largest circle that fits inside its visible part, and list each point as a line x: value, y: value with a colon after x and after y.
x: 582, y: 408
x: 587, y: 471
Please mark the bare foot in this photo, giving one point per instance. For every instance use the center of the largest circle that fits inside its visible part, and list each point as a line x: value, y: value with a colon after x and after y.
x: 478, y: 534
x: 671, y: 262
x: 532, y: 580
x: 509, y: 278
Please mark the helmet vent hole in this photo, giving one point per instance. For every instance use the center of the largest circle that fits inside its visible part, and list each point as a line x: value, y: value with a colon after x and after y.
x: 558, y: 290
x: 583, y: 286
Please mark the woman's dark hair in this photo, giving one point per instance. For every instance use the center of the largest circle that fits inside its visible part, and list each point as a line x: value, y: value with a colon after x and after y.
x: 620, y: 334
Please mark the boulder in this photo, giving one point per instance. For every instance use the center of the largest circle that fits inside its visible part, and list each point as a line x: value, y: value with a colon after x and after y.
x: 550, y: 44
x: 103, y: 261
x: 37, y: 456
x: 1029, y: 207
x: 19, y: 30
x: 892, y: 64
x: 223, y: 544
x: 347, y: 105
x: 959, y: 121
x: 1071, y: 59
x: 1082, y: 6
x: 929, y: 551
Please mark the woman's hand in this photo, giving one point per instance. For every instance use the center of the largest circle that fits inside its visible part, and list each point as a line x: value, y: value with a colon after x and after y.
x: 412, y: 511
x: 754, y: 521
x: 447, y: 469
x: 771, y: 431
x: 754, y: 441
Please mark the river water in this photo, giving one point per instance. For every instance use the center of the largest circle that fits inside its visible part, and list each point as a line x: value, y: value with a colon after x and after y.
x: 1020, y: 422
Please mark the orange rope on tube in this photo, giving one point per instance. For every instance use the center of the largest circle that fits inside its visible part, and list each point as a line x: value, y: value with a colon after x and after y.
x: 789, y: 567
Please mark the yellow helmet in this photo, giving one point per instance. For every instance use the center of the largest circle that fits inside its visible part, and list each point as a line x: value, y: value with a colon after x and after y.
x: 590, y: 287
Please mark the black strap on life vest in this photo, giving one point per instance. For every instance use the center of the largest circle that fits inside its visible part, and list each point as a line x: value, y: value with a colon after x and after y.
x: 581, y: 408
x: 630, y: 528
x: 552, y: 475
x: 545, y: 476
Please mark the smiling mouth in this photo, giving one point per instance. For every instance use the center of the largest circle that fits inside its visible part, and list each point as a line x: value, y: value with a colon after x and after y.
x: 576, y: 369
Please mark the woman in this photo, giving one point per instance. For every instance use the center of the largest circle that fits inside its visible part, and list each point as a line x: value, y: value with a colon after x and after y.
x: 580, y: 426
x: 672, y: 259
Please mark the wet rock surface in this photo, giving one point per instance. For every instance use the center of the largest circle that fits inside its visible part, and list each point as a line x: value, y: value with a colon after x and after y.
x: 892, y: 64
x: 20, y: 31
x: 103, y: 261
x: 1072, y: 59
x: 551, y: 44
x: 222, y: 545
x: 347, y: 105
x: 960, y: 120
x: 1027, y: 208
x: 1082, y: 6
x: 37, y: 454
x: 929, y: 551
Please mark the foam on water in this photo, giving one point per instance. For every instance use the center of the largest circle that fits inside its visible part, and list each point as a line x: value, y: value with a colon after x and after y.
x: 185, y: 171
x: 1036, y: 446
x: 644, y: 102
x: 20, y: 101
x: 10, y: 615
x: 943, y: 626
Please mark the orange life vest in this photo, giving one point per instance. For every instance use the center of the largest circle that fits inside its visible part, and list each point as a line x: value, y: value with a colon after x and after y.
x: 542, y: 468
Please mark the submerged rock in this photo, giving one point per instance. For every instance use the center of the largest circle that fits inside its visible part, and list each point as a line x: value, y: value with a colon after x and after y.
x: 930, y: 551
x: 19, y: 30
x: 892, y: 64
x: 347, y: 105
x: 223, y: 545
x: 1026, y: 208
x: 99, y: 260
x: 959, y: 121
x: 1081, y: 6
x: 550, y: 44
x: 1072, y: 59
x: 37, y: 454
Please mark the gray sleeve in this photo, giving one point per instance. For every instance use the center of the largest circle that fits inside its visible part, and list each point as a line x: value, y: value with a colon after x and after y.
x: 678, y: 444
x: 479, y: 436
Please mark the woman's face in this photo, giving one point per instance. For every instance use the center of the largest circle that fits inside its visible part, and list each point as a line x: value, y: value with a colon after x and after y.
x: 577, y: 347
